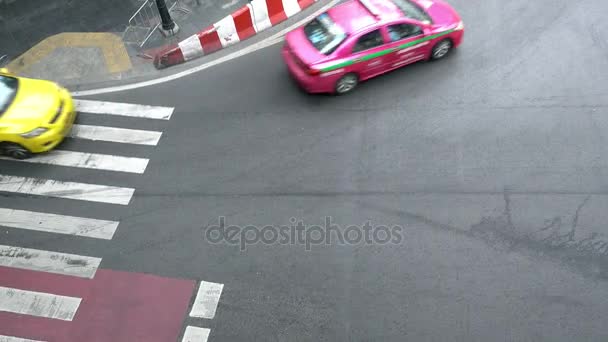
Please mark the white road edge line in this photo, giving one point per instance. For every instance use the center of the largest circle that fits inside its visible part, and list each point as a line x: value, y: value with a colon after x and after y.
x: 124, y: 109
x: 50, y: 262
x: 272, y: 40
x: 206, y: 301
x: 68, y: 190
x: 83, y: 160
x: 59, y: 224
x: 38, y: 304
x: 196, y: 334
x: 4, y: 338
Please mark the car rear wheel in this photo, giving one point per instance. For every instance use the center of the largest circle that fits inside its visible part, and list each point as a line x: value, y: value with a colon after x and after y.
x: 346, y: 84
x: 441, y: 49
x: 15, y: 151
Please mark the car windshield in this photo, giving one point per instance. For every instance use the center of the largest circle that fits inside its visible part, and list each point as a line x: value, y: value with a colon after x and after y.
x: 412, y: 10
x: 324, y: 34
x: 8, y: 89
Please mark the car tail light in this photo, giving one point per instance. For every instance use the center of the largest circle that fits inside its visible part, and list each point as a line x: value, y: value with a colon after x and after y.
x: 313, y: 72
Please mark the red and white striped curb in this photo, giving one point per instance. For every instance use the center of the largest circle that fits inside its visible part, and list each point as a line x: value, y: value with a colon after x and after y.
x: 249, y: 20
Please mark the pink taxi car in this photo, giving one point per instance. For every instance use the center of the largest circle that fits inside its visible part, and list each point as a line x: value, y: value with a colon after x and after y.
x: 360, y: 39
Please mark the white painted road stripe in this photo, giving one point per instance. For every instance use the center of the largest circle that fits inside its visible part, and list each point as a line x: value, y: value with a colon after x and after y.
x: 4, y: 338
x: 60, y: 224
x: 69, y: 190
x: 51, y: 262
x: 206, y: 300
x: 124, y: 109
x: 195, y: 334
x: 89, y: 161
x: 38, y: 304
x: 114, y: 134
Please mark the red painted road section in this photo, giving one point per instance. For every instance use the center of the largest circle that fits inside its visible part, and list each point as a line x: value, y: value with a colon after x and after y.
x: 116, y: 307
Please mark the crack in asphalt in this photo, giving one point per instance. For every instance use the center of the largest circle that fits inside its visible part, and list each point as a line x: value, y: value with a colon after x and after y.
x: 508, y: 209
x: 564, y: 240
x: 588, y: 256
x: 577, y: 213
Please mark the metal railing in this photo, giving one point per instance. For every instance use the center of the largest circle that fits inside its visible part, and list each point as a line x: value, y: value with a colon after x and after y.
x: 142, y: 24
x: 145, y: 21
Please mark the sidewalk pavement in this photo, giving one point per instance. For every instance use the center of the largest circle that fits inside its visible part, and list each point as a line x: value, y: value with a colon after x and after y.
x: 93, y: 45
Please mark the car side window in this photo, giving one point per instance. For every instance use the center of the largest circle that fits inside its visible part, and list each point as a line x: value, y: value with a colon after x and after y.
x: 403, y: 31
x: 369, y: 40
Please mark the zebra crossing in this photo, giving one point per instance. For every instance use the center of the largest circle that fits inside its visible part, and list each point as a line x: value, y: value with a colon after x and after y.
x: 94, y: 161
x: 62, y: 306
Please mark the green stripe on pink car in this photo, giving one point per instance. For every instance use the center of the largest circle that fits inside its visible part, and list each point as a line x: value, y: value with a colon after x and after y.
x: 384, y: 52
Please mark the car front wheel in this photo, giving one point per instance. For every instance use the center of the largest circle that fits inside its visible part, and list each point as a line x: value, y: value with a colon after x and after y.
x: 346, y: 84
x: 441, y: 49
x: 15, y: 151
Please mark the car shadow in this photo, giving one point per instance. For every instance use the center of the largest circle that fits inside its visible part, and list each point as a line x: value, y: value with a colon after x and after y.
x: 409, y: 75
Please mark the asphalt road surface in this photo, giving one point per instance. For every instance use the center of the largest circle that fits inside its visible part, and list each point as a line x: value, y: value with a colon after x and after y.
x: 494, y: 162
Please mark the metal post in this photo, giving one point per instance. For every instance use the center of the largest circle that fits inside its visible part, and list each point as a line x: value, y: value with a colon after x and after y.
x: 168, y: 27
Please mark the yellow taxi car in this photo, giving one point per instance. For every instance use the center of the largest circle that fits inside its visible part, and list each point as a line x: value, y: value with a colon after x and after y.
x: 35, y: 115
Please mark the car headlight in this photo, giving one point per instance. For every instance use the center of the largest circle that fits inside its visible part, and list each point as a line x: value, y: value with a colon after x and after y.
x: 460, y: 26
x: 34, y: 133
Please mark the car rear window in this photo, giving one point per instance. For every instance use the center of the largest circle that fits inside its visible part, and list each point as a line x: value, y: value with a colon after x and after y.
x: 8, y: 89
x: 412, y: 10
x: 324, y: 34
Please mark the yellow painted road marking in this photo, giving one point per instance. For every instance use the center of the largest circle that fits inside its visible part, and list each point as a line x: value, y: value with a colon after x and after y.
x: 113, y: 48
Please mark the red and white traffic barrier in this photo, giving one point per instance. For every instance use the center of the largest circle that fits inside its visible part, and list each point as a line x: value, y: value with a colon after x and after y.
x: 249, y: 20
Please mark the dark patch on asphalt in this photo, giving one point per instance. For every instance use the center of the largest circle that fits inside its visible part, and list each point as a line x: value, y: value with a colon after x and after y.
x: 588, y: 255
